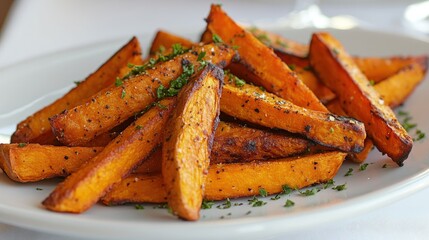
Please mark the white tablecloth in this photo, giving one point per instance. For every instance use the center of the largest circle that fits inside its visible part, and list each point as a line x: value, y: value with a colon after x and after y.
x: 40, y: 27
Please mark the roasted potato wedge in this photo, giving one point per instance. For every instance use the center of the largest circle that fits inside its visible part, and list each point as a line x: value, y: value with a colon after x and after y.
x: 235, y: 180
x: 273, y: 74
x: 188, y: 140
x: 358, y: 98
x: 110, y: 107
x: 36, y: 128
x: 250, y: 103
x: 85, y: 187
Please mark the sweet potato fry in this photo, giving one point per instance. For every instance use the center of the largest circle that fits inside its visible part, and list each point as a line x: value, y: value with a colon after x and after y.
x: 188, y: 140
x: 274, y: 75
x: 84, y: 187
x: 394, y: 90
x: 236, y: 143
x: 110, y: 107
x: 164, y: 40
x: 232, y: 143
x: 310, y: 80
x: 235, y: 180
x: 249, y: 103
x: 375, y: 69
x: 34, y: 162
x: 358, y: 98
x: 36, y: 128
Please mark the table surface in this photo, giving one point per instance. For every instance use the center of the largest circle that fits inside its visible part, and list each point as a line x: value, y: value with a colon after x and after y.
x: 39, y: 27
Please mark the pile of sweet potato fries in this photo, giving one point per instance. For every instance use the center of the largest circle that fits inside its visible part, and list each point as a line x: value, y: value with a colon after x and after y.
x: 241, y: 110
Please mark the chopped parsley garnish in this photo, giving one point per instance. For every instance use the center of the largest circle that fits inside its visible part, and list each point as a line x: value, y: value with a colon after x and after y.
x: 286, y: 189
x: 308, y: 192
x: 207, y: 204
x: 138, y: 69
x: 308, y: 68
x: 363, y: 167
x: 138, y: 127
x: 201, y: 55
x: 262, y: 37
x: 263, y: 192
x: 22, y: 145
x: 328, y: 184
x: 77, y: 82
x: 371, y: 82
x: 340, y: 187
x: 349, y: 172
x: 335, y: 51
x: 248, y: 212
x: 39, y: 189
x: 139, y: 207
x: 225, y: 205
x: 255, y: 202
x: 235, y: 47
x: 276, y: 197
x: 281, y: 43
x: 118, y: 82
x: 178, y: 83
x: 405, y: 120
x: 292, y: 67
x: 289, y: 203
x: 216, y: 38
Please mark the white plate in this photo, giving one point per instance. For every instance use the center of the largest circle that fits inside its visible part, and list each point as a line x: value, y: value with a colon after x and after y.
x: 376, y: 186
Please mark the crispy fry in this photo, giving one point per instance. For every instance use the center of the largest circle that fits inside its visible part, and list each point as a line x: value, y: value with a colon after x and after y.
x: 235, y: 143
x: 375, y: 69
x: 236, y: 180
x: 273, y: 74
x: 111, y: 107
x: 251, y: 104
x: 358, y: 98
x: 84, y: 188
x: 188, y: 140
x: 394, y: 91
x: 34, y: 162
x: 164, y: 40
x: 310, y: 80
x: 36, y: 128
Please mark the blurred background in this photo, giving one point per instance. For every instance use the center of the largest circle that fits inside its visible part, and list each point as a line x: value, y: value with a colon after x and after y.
x: 33, y: 28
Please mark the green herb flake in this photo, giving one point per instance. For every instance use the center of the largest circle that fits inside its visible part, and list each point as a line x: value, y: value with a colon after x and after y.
x: 349, y: 172
x: 207, y: 204
x: 335, y: 51
x: 178, y: 83
x: 308, y: 68
x: 255, y: 202
x: 263, y: 192
x: 371, y: 82
x: 21, y: 145
x: 248, y: 212
x: 201, y: 55
x: 39, y: 189
x: 420, y: 135
x: 281, y: 43
x: 263, y: 38
x: 77, y: 82
x: 286, y: 189
x: 363, y: 167
x: 118, y: 82
x: 328, y: 184
x: 235, y: 47
x: 331, y: 130
x: 276, y: 197
x: 217, y: 39
x: 292, y: 67
x: 289, y: 203
x: 340, y: 187
x: 139, y: 207
x: 138, y: 127
x: 308, y: 192
x: 227, y: 204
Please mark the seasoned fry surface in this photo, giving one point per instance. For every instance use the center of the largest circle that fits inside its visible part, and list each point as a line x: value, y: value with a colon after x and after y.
x: 113, y: 106
x: 250, y: 103
x: 36, y: 127
x: 188, y: 141
x: 84, y: 188
x: 236, y: 179
x: 275, y: 76
x: 358, y: 98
